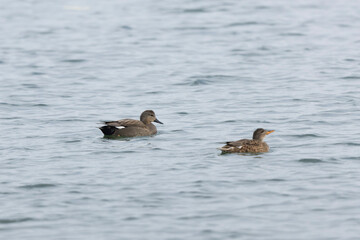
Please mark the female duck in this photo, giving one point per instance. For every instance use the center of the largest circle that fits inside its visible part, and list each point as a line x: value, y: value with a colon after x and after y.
x: 255, y: 145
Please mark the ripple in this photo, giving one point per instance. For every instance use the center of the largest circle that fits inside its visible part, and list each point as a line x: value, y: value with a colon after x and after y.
x: 74, y: 60
x: 9, y: 104
x: 71, y: 120
x: 40, y: 105
x: 15, y: 220
x: 196, y: 82
x: 30, y: 85
x: 249, y: 23
x: 191, y: 28
x: 194, y: 10
x: 212, y: 216
x: 7, y: 193
x: 76, y: 8
x: 74, y: 192
x: 154, y: 92
x: 40, y: 185
x: 195, y: 194
x: 25, y: 104
x: 294, y: 34
x: 72, y: 141
x: 276, y: 180
x: 310, y: 160
x: 128, y: 151
x: 182, y: 113
x: 178, y: 130
x: 308, y: 135
x: 130, y: 218
x: 351, y: 77
x: 229, y: 121
x: 348, y: 144
x: 200, y: 82
x: 37, y: 73
x: 262, y: 7
x: 157, y: 149
x: 204, y: 79
x: 126, y: 27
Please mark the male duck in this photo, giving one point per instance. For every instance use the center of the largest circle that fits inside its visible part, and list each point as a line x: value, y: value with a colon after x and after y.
x: 132, y: 127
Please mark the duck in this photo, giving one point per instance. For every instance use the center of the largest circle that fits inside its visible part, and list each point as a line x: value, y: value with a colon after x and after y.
x: 255, y: 145
x: 132, y: 127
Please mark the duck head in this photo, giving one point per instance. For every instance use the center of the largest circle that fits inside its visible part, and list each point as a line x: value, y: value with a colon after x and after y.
x: 149, y: 116
x: 261, y: 133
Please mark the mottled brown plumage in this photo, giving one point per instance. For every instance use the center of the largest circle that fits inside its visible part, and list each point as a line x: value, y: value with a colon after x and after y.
x: 255, y: 145
x: 132, y: 127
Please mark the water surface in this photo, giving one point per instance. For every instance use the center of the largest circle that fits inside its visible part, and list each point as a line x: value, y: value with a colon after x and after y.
x: 213, y: 71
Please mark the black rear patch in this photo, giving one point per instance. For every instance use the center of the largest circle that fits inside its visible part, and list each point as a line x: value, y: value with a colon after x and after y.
x: 108, y: 130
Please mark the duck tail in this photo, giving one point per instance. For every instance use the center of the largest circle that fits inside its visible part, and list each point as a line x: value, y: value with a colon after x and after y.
x: 108, y: 130
x: 229, y: 149
x: 224, y: 148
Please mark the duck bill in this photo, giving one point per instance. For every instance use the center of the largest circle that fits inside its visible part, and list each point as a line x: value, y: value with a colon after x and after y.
x: 269, y: 131
x: 157, y: 121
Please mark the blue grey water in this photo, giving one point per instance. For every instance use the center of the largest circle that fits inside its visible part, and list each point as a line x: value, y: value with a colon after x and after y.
x: 213, y: 71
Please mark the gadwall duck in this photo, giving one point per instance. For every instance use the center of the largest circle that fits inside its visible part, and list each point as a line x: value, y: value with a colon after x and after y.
x: 256, y: 145
x: 132, y: 127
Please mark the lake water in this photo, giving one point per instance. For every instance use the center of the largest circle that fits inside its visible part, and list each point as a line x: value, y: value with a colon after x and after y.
x: 213, y: 71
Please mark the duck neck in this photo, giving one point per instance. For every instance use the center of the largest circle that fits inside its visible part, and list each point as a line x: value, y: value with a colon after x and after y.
x: 146, y: 122
x: 259, y: 139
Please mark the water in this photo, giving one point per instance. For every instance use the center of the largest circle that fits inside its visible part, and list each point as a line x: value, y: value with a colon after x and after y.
x: 213, y: 71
